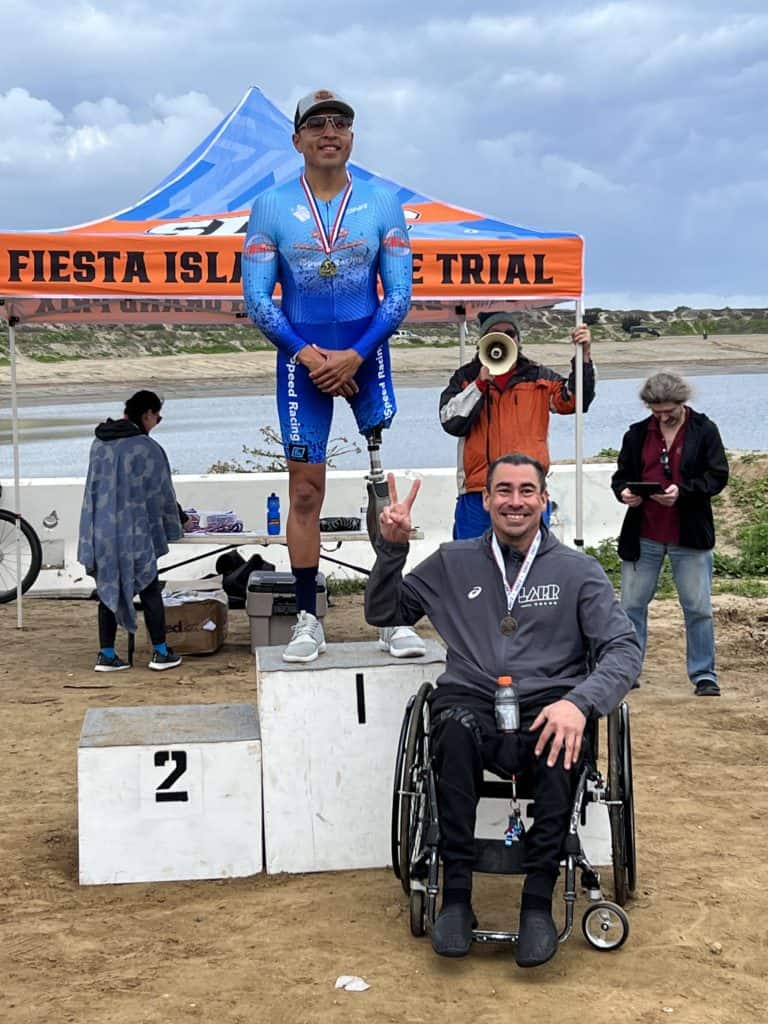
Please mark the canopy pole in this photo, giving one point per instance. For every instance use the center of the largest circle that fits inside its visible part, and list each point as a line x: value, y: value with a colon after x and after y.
x: 462, y: 339
x: 16, y: 480
x: 579, y: 453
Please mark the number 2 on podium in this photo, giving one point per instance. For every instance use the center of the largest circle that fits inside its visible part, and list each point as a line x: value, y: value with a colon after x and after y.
x: 164, y: 793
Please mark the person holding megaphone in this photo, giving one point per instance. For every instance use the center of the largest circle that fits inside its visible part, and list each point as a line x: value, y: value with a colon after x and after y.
x: 500, y: 402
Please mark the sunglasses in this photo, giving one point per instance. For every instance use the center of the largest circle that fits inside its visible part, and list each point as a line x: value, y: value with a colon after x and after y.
x: 319, y: 122
x: 665, y: 466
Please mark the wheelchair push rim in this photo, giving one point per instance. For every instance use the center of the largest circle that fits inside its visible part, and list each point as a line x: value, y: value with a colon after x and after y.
x: 409, y: 793
x: 629, y: 799
x: 397, y: 786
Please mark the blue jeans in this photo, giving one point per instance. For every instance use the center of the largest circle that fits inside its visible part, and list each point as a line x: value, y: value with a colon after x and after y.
x: 692, y: 573
x: 471, y: 520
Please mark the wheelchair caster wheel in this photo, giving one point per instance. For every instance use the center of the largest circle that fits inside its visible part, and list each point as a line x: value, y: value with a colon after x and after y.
x: 605, y: 926
x: 417, y: 912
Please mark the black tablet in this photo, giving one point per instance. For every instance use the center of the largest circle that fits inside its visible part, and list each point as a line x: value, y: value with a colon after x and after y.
x: 645, y: 488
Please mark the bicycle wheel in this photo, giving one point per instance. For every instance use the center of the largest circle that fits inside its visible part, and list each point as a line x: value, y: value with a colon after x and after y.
x: 31, y: 556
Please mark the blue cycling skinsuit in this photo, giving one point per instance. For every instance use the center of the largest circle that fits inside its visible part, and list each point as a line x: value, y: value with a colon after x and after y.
x: 335, y: 311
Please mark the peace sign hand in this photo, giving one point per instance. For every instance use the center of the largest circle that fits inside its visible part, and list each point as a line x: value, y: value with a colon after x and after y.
x: 395, y: 520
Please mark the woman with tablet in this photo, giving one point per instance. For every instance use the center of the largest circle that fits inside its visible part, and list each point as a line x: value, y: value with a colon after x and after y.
x: 670, y: 466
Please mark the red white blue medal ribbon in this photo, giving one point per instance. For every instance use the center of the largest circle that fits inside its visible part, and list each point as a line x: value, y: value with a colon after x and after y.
x: 513, y: 590
x: 327, y: 241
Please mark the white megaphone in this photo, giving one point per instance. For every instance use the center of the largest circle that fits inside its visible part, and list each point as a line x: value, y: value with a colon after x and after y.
x: 497, y: 351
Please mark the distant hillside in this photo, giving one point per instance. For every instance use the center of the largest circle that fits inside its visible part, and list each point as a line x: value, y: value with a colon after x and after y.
x: 54, y: 343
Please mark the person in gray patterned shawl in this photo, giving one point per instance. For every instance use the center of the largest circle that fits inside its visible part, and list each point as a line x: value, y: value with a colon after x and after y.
x: 129, y: 517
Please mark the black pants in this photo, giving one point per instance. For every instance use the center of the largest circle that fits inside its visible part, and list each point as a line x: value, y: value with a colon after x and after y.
x: 467, y: 744
x: 154, y: 616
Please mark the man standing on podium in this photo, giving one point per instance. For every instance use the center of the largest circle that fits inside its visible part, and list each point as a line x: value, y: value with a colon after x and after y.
x: 327, y: 240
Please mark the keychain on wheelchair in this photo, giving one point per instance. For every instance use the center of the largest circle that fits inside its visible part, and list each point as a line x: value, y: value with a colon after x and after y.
x: 516, y: 827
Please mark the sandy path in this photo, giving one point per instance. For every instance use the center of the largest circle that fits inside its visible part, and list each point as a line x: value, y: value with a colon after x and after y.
x: 269, y: 949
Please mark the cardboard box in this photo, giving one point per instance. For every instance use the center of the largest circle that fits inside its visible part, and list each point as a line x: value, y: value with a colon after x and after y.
x: 199, y: 624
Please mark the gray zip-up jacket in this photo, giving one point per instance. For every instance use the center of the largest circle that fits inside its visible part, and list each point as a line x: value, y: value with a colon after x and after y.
x: 565, y: 610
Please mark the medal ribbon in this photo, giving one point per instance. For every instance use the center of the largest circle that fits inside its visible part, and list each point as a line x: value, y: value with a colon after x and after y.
x: 517, y: 586
x: 328, y: 241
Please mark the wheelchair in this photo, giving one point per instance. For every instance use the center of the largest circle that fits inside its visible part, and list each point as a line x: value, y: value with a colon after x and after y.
x: 415, y: 831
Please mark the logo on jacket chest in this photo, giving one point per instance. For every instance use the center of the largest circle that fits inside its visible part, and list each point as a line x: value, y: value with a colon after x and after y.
x: 542, y: 595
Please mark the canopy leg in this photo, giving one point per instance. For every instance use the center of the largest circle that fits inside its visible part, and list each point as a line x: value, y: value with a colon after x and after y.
x: 12, y: 321
x: 579, y: 440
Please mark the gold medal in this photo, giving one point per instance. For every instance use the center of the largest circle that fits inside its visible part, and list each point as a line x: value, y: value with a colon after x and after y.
x: 508, y: 625
x: 328, y: 268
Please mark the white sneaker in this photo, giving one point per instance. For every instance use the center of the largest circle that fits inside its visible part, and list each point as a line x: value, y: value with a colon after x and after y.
x: 401, y: 642
x: 307, y: 639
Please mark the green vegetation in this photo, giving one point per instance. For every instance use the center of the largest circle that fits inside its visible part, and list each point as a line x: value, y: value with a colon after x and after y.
x: 51, y: 343
x: 741, y: 525
x: 337, y: 586
x: 270, y: 458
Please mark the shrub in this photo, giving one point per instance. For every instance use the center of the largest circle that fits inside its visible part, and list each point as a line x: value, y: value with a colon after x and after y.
x: 627, y: 322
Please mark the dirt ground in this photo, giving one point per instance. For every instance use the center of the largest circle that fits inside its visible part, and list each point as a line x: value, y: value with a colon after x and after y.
x: 270, y: 948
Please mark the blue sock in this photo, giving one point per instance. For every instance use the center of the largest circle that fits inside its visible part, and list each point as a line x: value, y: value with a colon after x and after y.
x: 161, y: 648
x: 108, y: 652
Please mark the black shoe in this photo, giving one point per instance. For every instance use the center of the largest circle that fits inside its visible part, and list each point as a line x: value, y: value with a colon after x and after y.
x: 707, y: 688
x: 105, y: 664
x: 537, y: 941
x: 452, y: 933
x: 160, y: 662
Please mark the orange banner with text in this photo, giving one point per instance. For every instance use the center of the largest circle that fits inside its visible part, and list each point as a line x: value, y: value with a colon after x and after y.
x: 90, y: 264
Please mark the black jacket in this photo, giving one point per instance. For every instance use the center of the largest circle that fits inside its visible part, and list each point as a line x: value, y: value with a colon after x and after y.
x: 704, y: 471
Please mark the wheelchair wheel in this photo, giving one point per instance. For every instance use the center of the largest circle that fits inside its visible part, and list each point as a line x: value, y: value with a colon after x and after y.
x: 31, y: 556
x: 605, y: 926
x: 394, y: 821
x: 622, y: 806
x: 629, y: 800
x: 411, y: 793
x: 417, y: 913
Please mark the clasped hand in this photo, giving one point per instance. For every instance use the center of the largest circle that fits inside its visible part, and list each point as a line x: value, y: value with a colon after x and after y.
x: 332, y: 371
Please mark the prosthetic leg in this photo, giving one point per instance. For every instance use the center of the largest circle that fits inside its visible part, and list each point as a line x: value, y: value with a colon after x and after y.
x: 376, y: 484
x: 399, y: 641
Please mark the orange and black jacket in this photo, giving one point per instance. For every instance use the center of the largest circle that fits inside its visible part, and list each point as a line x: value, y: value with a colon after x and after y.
x: 495, y: 421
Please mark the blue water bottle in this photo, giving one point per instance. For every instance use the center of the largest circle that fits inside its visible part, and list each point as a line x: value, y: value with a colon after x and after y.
x: 273, y: 515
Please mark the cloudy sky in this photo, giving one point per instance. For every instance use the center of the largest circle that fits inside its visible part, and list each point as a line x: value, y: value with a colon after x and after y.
x: 641, y: 126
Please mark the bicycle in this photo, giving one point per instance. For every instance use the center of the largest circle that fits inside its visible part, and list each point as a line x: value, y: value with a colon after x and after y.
x: 31, y: 555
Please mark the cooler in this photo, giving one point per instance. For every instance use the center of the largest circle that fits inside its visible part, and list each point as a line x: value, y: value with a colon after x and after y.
x: 271, y: 606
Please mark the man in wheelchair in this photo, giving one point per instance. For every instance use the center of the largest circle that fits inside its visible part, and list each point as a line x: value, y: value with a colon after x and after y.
x: 512, y: 602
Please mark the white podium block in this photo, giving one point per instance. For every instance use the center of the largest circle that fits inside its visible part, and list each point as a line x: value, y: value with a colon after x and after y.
x: 329, y: 734
x: 169, y: 793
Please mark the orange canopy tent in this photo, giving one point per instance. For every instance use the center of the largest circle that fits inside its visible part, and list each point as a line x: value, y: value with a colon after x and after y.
x: 174, y: 256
